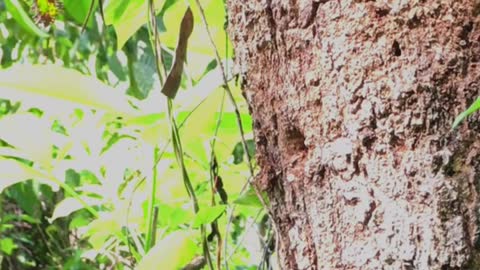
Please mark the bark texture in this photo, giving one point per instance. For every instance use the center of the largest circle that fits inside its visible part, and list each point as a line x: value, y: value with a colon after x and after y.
x: 353, y: 102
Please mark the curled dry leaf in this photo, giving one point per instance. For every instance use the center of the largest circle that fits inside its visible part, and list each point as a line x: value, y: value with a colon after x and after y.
x: 174, y: 77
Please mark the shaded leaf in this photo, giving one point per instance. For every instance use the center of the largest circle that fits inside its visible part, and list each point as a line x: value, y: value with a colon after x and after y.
x: 79, y: 10
x: 238, y: 152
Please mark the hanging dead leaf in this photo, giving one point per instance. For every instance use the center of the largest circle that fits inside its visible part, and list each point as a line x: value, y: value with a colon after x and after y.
x: 174, y: 77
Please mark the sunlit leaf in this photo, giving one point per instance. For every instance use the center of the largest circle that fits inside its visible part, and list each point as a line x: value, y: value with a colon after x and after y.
x: 12, y: 172
x: 48, y: 84
x: 207, y: 215
x: 171, y: 253
x: 145, y: 120
x: 99, y: 230
x: 250, y: 199
x: 215, y: 15
x: 473, y: 108
x: 127, y: 16
x: 173, y: 215
x: 7, y: 245
x: 37, y: 146
x: 70, y: 205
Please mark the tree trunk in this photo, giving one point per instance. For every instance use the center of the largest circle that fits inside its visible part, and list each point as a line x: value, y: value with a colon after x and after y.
x: 353, y: 102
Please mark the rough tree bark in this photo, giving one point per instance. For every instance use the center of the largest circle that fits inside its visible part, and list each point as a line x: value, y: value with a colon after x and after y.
x: 353, y: 102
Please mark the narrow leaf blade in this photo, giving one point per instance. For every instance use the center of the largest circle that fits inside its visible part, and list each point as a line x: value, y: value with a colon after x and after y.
x: 473, y: 108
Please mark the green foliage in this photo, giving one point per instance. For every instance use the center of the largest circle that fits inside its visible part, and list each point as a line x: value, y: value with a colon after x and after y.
x: 21, y: 16
x: 473, y: 108
x: 97, y: 171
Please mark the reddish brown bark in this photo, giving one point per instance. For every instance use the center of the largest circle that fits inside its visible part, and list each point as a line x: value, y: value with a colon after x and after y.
x: 353, y: 103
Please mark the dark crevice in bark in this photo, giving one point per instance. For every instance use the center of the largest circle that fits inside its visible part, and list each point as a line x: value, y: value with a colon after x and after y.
x: 396, y: 48
x: 312, y: 13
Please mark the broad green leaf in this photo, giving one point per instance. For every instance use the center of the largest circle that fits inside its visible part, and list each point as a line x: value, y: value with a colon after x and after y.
x: 19, y: 14
x: 250, y: 199
x: 173, y: 215
x: 127, y: 16
x: 473, y: 108
x: 143, y: 71
x: 208, y: 214
x: 46, y: 85
x: 116, y: 67
x: 171, y: 253
x: 78, y: 9
x: 99, y: 230
x: 70, y: 205
x: 238, y: 153
x: 198, y: 42
x: 12, y: 171
x: 203, y: 123
x: 79, y: 220
x: 26, y: 197
x: 145, y: 120
x: 37, y: 146
x: 7, y: 245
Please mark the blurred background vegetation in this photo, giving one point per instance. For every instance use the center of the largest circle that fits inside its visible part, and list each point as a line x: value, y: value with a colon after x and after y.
x: 88, y: 161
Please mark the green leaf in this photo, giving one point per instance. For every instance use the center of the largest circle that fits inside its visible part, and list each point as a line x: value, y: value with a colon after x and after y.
x: 70, y: 205
x: 171, y: 253
x: 12, y: 171
x: 17, y: 131
x: 238, y: 153
x: 7, y: 245
x: 215, y: 15
x: 145, y: 120
x: 19, y: 14
x: 101, y: 229
x: 173, y: 215
x: 26, y: 197
x: 79, y: 10
x: 207, y: 215
x: 473, y: 108
x: 143, y: 71
x: 116, y: 67
x: 250, y: 199
x: 80, y: 219
x: 47, y: 85
x: 127, y: 16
